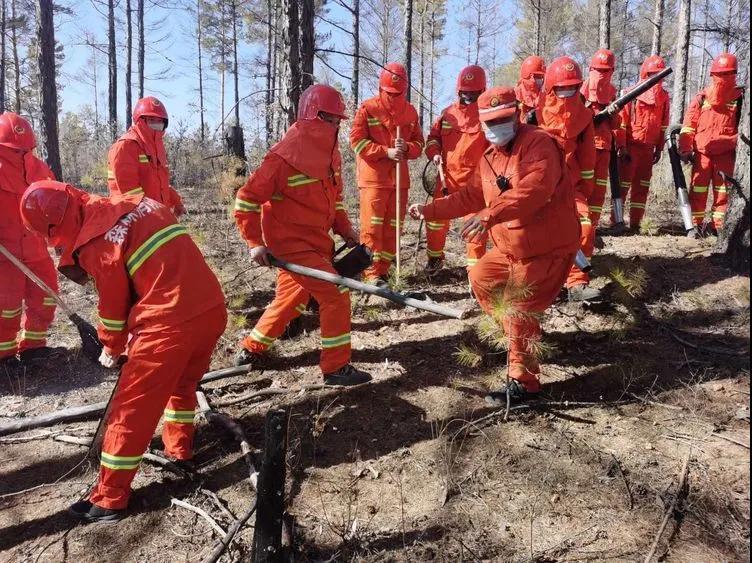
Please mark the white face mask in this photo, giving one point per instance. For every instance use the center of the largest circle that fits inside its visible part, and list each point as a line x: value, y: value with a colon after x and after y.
x: 500, y: 134
x: 156, y: 125
x: 539, y: 82
x: 565, y: 93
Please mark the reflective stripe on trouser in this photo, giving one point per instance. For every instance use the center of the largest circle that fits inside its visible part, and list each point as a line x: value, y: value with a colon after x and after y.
x: 24, y: 305
x: 598, y: 197
x: 635, y: 175
x: 587, y: 241
x: 294, y: 291
x: 161, y: 375
x: 495, y: 275
x: 380, y: 236
x: 706, y: 172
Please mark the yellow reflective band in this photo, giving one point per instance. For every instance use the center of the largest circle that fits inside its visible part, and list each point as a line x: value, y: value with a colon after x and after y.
x: 110, y: 174
x: 335, y: 341
x: 388, y: 256
x: 625, y: 184
x: 377, y: 220
x: 135, y: 191
x: 10, y: 313
x: 587, y: 174
x: 432, y: 142
x: 49, y: 302
x: 719, y: 214
x: 445, y: 125
x: 698, y: 214
x: 705, y: 104
x: 585, y: 221
x: 343, y: 289
x: 151, y: 245
x: 112, y: 324
x: 595, y: 208
x: 393, y: 222
x: 33, y: 335
x: 721, y: 189
x: 435, y: 226
x: 339, y: 206
x: 119, y: 462
x: 372, y: 121
x: 645, y: 183
x: 261, y: 338
x: 360, y: 145
x: 699, y: 189
x: 376, y: 256
x: 300, y: 180
x: 7, y: 345
x: 435, y: 253
x: 275, y: 197
x: 143, y: 158
x: 637, y: 205
x: 301, y: 308
x: 687, y: 130
x: 472, y: 261
x: 247, y: 206
x: 601, y: 182
x: 179, y: 417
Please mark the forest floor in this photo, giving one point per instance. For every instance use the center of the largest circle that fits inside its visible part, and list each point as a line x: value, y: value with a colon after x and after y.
x: 415, y: 466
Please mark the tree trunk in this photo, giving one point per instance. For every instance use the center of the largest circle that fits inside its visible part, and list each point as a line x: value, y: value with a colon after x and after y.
x: 48, y: 85
x: 433, y: 63
x: 604, y: 24
x: 537, y: 9
x: 729, y: 24
x: 141, y: 47
x: 478, y: 23
x: 422, y: 48
x: 307, y: 43
x: 112, y: 69
x: 128, y: 60
x: 236, y: 88
x: 16, y: 60
x: 291, y: 55
x: 408, y: 34
x: 733, y: 239
x: 655, y: 49
x: 681, y: 58
x: 199, y: 38
x: 268, y: 96
x: 355, y: 83
x: 2, y: 56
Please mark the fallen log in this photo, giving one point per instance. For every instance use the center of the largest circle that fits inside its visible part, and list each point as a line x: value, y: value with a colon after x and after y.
x: 87, y: 412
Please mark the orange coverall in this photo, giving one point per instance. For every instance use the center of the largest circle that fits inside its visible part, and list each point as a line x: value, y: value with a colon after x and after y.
x: 290, y: 209
x: 644, y: 121
x: 458, y: 138
x: 154, y: 285
x: 374, y: 130
x: 535, y: 233
x: 710, y: 129
x: 570, y: 123
x: 528, y: 96
x: 137, y: 163
x: 22, y: 303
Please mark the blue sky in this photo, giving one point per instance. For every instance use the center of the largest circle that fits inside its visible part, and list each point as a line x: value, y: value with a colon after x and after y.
x: 176, y: 55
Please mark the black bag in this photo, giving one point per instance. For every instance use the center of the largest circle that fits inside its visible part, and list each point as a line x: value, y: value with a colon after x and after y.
x: 354, y: 261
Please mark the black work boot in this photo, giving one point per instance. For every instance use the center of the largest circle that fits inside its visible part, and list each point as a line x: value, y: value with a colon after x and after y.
x: 346, y: 376
x: 85, y: 511
x: 434, y: 265
x: 583, y: 293
x: 516, y: 391
x: 41, y: 354
x: 247, y: 358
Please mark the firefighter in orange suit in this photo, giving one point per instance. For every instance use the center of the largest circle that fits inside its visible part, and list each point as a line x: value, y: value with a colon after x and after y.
x: 522, y: 195
x: 645, y: 121
x: 154, y: 287
x: 456, y: 143
x: 22, y: 304
x: 708, y: 140
x: 530, y: 84
x: 288, y: 207
x: 137, y: 161
x: 599, y: 94
x: 378, y: 149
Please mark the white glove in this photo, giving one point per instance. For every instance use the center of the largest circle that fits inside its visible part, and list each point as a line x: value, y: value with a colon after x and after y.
x: 106, y: 360
x: 260, y: 255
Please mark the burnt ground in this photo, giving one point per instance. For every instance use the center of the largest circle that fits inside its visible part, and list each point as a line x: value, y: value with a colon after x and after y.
x: 415, y: 466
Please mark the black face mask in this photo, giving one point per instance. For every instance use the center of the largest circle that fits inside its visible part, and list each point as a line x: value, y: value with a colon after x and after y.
x: 467, y: 98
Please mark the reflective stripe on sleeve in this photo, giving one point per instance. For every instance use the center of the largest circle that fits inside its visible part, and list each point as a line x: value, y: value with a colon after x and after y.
x: 300, y: 180
x: 10, y: 313
x: 151, y: 245
x: 114, y: 325
x: 144, y: 158
x: 360, y: 145
x: 247, y: 206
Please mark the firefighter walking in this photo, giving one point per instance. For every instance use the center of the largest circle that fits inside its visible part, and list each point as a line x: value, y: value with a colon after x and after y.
x: 456, y: 143
x: 529, y: 86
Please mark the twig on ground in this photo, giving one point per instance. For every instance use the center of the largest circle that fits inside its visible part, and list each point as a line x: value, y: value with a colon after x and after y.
x: 218, y: 503
x: 222, y: 545
x: 265, y: 393
x: 43, y: 485
x: 195, y: 509
x: 42, y: 436
x: 710, y: 349
x: 624, y: 479
x: 681, y: 493
x: 732, y: 440
x: 655, y: 403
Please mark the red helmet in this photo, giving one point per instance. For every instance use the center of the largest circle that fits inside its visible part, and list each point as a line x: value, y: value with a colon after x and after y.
x: 652, y: 65
x: 724, y: 63
x: 393, y: 79
x: 43, y: 206
x: 563, y: 71
x: 496, y: 103
x: 532, y: 66
x: 320, y: 97
x: 149, y: 107
x: 16, y: 132
x: 471, y: 79
x: 603, y: 60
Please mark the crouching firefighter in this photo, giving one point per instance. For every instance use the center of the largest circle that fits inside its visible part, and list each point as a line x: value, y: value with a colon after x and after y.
x: 522, y: 196
x: 287, y: 207
x: 156, y: 289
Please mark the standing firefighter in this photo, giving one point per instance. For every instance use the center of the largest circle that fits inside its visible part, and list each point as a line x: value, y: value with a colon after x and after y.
x: 522, y: 195
x: 288, y: 207
x: 378, y: 148
x: 708, y: 140
x: 529, y: 86
x: 645, y: 121
x: 456, y: 143
x: 22, y: 303
x: 599, y: 93
x: 137, y: 162
x: 564, y: 116
x: 158, y: 296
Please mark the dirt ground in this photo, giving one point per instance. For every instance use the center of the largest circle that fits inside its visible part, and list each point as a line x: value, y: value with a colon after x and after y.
x: 415, y: 466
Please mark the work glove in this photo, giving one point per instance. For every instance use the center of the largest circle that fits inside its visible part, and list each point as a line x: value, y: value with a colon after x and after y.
x: 395, y: 154
x: 436, y: 160
x: 106, y: 360
x: 612, y: 108
x: 260, y: 255
x: 473, y: 228
x: 416, y: 210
